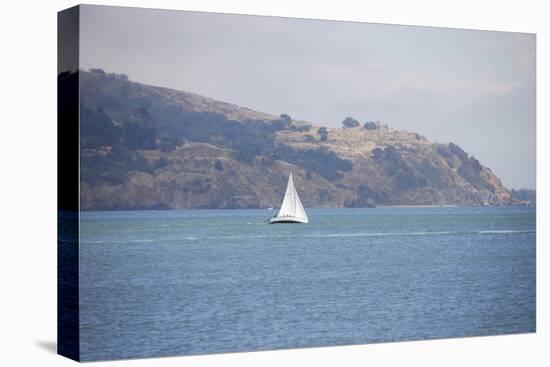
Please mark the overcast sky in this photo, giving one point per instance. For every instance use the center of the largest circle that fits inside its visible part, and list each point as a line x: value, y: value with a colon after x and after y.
x: 473, y: 88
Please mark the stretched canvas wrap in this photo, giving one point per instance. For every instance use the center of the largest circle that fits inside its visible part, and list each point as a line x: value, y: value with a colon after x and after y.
x: 233, y: 183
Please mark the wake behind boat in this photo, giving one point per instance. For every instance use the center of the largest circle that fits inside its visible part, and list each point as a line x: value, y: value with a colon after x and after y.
x: 292, y: 210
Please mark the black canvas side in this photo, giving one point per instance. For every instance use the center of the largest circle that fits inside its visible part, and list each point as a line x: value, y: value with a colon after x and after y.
x: 68, y: 338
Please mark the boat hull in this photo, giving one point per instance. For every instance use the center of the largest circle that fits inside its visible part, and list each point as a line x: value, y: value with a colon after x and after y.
x: 277, y: 220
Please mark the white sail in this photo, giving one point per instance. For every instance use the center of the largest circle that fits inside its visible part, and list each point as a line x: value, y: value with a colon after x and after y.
x: 300, y: 211
x: 292, y: 209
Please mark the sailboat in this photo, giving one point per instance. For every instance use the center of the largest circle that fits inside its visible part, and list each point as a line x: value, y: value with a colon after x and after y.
x: 292, y: 210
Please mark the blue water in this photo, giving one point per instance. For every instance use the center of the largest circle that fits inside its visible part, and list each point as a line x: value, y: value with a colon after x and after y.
x: 156, y: 283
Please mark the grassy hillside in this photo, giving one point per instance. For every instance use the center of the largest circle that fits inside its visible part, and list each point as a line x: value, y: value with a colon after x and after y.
x: 150, y: 147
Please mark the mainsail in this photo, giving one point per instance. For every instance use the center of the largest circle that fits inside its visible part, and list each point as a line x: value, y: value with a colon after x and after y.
x: 292, y: 209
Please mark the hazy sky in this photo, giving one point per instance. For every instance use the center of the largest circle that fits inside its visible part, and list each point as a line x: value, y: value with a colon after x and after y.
x: 473, y: 88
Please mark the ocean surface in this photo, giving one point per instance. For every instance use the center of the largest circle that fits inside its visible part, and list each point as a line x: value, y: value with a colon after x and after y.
x: 180, y: 282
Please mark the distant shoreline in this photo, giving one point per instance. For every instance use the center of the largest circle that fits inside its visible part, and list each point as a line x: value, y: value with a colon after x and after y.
x: 421, y: 206
x: 276, y: 209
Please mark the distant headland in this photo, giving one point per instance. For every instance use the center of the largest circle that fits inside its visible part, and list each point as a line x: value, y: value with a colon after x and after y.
x: 147, y: 147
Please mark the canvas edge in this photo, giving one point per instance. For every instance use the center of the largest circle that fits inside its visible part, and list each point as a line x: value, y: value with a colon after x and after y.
x: 68, y: 296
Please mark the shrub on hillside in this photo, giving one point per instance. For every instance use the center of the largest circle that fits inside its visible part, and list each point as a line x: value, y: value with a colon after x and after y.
x: 350, y: 123
x: 323, y: 133
x: 323, y: 162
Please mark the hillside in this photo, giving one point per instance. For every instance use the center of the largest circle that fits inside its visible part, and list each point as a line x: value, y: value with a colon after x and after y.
x: 148, y: 147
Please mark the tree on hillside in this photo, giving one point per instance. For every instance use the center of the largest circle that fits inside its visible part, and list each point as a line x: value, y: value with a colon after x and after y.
x: 323, y: 133
x: 285, y: 117
x: 97, y: 129
x: 371, y: 125
x: 350, y: 123
x: 98, y: 71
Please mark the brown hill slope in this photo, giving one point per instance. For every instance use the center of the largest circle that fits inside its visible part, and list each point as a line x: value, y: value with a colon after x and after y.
x: 150, y: 147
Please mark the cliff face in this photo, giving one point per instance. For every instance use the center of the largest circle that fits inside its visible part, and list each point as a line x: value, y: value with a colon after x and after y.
x: 148, y: 147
